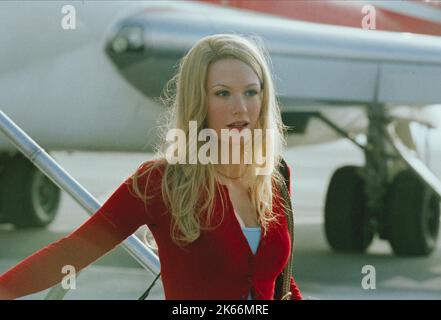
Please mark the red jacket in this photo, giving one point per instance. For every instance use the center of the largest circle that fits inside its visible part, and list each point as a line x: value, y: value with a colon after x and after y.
x: 218, y: 265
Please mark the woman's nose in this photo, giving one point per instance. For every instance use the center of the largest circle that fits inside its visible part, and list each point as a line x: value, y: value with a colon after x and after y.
x: 238, y: 104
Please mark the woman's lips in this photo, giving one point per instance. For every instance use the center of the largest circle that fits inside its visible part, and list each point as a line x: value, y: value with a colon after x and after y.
x: 238, y: 125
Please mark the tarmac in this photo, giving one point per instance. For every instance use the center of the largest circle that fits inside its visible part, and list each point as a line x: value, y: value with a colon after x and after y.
x: 320, y: 273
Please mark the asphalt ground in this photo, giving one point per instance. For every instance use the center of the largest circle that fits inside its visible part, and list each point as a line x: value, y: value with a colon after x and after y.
x: 319, y: 272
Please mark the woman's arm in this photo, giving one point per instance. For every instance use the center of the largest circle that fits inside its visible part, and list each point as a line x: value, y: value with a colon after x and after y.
x: 117, y: 219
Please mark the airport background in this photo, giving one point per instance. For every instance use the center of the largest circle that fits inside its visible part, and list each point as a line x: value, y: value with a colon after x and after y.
x: 78, y: 61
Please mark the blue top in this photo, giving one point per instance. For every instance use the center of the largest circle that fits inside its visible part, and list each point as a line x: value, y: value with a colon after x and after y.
x: 253, y: 235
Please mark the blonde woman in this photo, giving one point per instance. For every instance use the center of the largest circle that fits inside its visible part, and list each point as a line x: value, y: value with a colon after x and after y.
x: 219, y: 225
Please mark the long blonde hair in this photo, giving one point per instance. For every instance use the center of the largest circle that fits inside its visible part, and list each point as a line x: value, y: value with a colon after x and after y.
x: 185, y: 96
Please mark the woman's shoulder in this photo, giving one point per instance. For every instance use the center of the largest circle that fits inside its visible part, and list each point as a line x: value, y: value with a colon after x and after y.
x: 155, y: 166
x: 148, y: 175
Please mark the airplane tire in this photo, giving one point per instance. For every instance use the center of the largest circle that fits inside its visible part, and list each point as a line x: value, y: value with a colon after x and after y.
x: 29, y: 199
x: 347, y: 226
x: 413, y: 213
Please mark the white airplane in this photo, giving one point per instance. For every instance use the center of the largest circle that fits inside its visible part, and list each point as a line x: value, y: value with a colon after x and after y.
x: 94, y: 88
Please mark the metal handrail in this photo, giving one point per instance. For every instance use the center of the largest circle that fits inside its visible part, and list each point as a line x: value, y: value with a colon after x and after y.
x: 46, y: 164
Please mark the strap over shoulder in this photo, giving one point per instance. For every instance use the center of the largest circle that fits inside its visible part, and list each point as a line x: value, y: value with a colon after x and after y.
x: 284, y: 171
x: 283, y: 287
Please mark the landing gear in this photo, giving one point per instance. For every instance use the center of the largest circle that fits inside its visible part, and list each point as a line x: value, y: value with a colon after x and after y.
x: 348, y: 226
x: 413, y: 214
x: 384, y: 196
x: 28, y: 198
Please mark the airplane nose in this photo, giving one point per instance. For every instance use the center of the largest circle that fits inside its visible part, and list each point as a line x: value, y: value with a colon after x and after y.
x: 146, y: 47
x: 131, y: 50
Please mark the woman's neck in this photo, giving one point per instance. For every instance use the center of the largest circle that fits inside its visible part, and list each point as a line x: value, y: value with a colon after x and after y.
x: 231, y: 171
x: 237, y: 167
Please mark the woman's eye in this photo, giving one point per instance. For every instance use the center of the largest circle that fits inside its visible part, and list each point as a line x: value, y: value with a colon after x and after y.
x: 225, y: 93
x: 219, y: 93
x: 254, y: 92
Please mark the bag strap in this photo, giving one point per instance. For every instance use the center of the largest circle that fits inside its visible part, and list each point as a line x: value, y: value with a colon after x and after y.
x: 287, y: 271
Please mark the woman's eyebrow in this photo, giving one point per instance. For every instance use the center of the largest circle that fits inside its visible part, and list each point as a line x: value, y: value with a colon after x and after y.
x: 223, y: 85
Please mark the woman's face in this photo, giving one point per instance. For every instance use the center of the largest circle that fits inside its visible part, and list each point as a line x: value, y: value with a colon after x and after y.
x: 233, y: 96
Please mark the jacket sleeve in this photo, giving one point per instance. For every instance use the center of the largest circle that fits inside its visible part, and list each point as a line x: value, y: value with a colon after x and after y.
x: 296, y: 295
x: 295, y: 291
x: 117, y: 219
